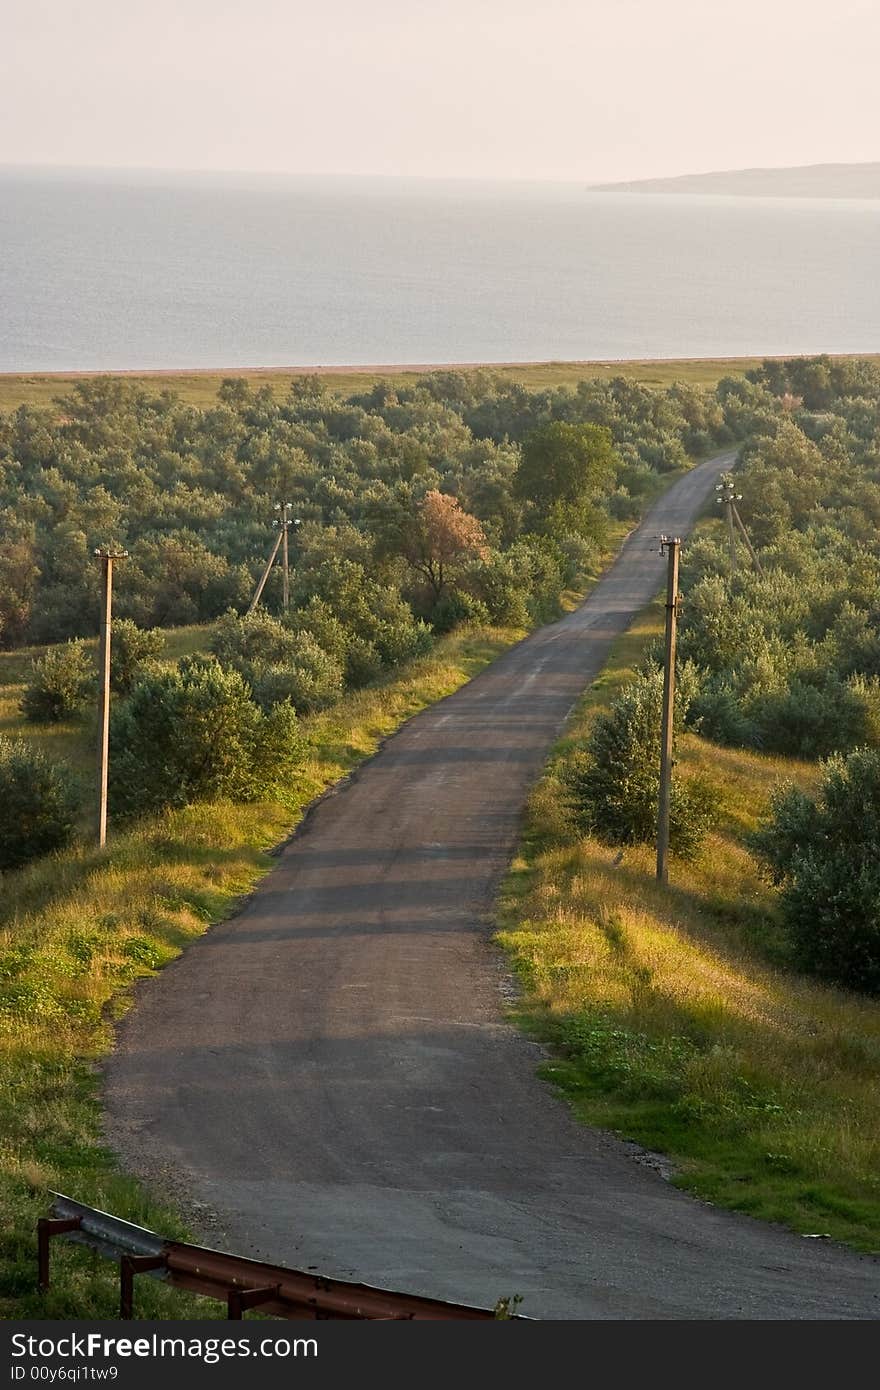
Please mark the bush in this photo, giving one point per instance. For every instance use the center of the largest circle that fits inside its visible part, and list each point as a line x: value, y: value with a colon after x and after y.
x: 808, y: 721
x: 196, y: 734
x: 822, y: 852
x: 503, y: 587
x: 254, y: 640
x: 579, y: 557
x: 397, y: 642
x: 612, y: 785
x: 318, y: 618
x: 622, y: 506
x: 63, y: 683
x: 455, y: 607
x: 38, y: 804
x: 311, y: 680
x: 132, y: 648
x: 362, y: 663
x: 277, y: 662
x: 722, y: 718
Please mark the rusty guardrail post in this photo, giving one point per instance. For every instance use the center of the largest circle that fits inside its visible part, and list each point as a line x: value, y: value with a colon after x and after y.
x: 47, y: 1227
x: 239, y: 1300
x: 129, y: 1266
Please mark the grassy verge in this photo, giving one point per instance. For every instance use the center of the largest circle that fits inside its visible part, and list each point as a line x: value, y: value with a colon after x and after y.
x: 75, y: 931
x: 672, y: 1014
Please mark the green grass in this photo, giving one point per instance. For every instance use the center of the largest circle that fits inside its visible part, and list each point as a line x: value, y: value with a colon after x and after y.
x: 673, y: 1015
x: 78, y: 928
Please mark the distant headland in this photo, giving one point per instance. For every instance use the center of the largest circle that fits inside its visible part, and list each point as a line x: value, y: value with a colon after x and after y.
x: 806, y: 181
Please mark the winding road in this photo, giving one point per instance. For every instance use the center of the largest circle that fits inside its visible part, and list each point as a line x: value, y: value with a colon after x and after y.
x: 330, y: 1077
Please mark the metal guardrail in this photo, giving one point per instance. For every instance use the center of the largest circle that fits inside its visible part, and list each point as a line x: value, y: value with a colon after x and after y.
x: 239, y: 1282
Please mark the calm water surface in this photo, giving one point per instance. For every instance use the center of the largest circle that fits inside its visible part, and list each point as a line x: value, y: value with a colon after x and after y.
x: 164, y: 271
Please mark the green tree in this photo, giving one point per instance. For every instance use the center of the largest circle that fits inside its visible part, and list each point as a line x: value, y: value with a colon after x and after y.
x: 822, y: 852
x: 196, y: 734
x: 132, y: 648
x: 62, y: 684
x: 613, y: 783
x: 255, y: 640
x: 38, y: 804
x: 562, y: 468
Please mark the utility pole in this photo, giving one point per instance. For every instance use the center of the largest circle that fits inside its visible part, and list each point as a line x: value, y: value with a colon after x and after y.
x: 753, y: 556
x: 106, y: 556
x: 285, y: 557
x: 670, y: 547
x: 263, y: 577
x: 285, y: 523
x: 728, y: 497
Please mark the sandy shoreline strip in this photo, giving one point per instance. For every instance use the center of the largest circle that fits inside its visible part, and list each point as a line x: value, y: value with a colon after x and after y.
x: 363, y: 369
x: 372, y: 369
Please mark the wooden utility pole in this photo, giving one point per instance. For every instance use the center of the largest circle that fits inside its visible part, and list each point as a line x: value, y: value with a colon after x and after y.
x: 285, y: 558
x: 753, y: 556
x: 106, y: 556
x: 670, y: 547
x: 284, y: 523
x: 726, y: 490
x: 263, y: 577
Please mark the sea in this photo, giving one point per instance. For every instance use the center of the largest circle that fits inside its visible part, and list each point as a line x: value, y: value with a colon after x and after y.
x: 134, y: 271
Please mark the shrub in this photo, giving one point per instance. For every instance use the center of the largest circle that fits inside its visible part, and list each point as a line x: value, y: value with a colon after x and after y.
x: 38, y: 804
x: 311, y: 679
x: 543, y: 564
x: 132, y: 648
x: 318, y: 618
x: 622, y: 506
x: 579, y: 556
x: 255, y: 640
x: 808, y: 721
x: 612, y: 785
x: 722, y: 718
x: 822, y: 852
x: 503, y: 587
x: 279, y: 663
x: 196, y: 734
x: 362, y: 663
x: 62, y: 684
x: 455, y: 607
x: 401, y: 641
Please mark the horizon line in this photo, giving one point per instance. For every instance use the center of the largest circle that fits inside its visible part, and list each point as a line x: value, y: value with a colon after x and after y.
x: 581, y: 181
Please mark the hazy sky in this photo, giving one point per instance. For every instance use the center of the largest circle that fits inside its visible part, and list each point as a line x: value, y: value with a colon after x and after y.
x: 536, y: 89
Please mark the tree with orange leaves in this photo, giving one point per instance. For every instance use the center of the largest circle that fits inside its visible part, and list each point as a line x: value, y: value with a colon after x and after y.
x: 438, y: 537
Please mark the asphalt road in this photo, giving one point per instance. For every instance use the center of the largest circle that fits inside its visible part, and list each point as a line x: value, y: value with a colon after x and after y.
x: 330, y: 1076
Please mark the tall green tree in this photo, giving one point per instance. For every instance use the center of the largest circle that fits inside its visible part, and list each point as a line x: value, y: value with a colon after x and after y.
x: 562, y: 469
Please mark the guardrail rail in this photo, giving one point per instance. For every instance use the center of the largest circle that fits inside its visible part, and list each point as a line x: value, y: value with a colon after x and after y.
x: 239, y: 1282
